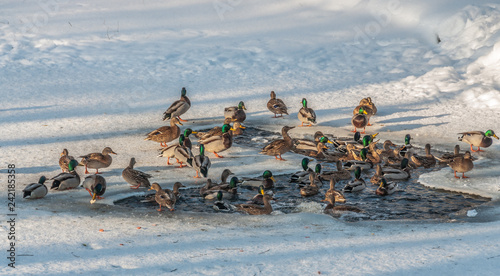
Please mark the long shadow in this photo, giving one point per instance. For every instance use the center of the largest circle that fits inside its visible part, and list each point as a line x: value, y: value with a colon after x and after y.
x: 26, y: 108
x: 409, y: 118
x: 407, y: 127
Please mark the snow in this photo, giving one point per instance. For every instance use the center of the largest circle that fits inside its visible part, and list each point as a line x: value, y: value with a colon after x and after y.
x: 84, y: 76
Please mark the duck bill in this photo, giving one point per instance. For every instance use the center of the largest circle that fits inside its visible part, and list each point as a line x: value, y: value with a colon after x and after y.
x: 272, y: 178
x: 494, y: 135
x: 194, y: 132
x: 242, y: 127
x: 374, y: 135
x: 93, y: 200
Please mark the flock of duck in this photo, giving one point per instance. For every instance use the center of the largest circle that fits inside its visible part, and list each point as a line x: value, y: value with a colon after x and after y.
x: 392, y: 162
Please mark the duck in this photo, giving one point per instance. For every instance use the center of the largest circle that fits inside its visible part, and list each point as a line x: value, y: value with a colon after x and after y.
x: 338, y: 195
x: 401, y: 151
x: 331, y: 209
x: 363, y: 164
x: 448, y: 157
x: 65, y: 181
x: 166, y: 197
x: 254, y: 209
x: 64, y: 160
x: 237, y: 128
x: 391, y: 173
x: 358, y: 184
x: 302, y: 175
x: 305, y: 144
x: 276, y: 106
x: 225, y: 175
x: 259, y: 198
x: 306, y: 115
x: 462, y: 164
x: 340, y: 174
x: 268, y: 181
x: 165, y: 134
x: 97, y: 160
x: 134, y: 177
x: 201, y: 163
x: 96, y: 186
x: 360, y: 120
x: 36, y: 190
x: 187, y: 142
x: 311, y: 189
x: 181, y: 153
x: 427, y: 161
x: 178, y: 108
x: 229, y: 190
x: 236, y: 113
x: 386, y: 188
x: 215, y: 131
x: 220, y: 205
x: 343, y: 141
x: 478, y: 139
x: 278, y: 147
x: 386, y: 151
x: 368, y: 105
x: 220, y: 143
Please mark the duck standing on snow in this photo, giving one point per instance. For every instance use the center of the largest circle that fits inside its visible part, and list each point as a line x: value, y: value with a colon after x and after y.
x: 360, y: 120
x: 236, y: 113
x: 36, y: 190
x: 64, y: 160
x: 134, y: 177
x: 97, y: 160
x: 201, y: 163
x: 462, y: 164
x: 219, y: 143
x: 478, y: 138
x: 178, y: 108
x: 178, y: 151
x: 254, y: 209
x: 278, y: 147
x: 276, y: 106
x: 65, y: 181
x: 306, y: 114
x: 165, y: 134
x: 95, y: 185
x: 368, y: 106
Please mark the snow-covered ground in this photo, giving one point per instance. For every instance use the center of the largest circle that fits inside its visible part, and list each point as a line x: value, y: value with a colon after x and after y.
x: 86, y: 75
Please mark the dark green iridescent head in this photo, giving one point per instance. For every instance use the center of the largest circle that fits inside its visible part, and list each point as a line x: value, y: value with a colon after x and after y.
x: 267, y: 174
x: 304, y: 102
x: 187, y: 132
x: 323, y: 140
x: 183, y: 92
x: 363, y: 153
x: 407, y: 139
x: 357, y: 172
x: 42, y: 179
x: 489, y: 133
x: 317, y: 168
x: 233, y: 182
x: 367, y: 139
x: 241, y: 105
x: 72, y: 165
x: 305, y: 163
x: 226, y: 128
x: 219, y: 195
x: 98, y: 189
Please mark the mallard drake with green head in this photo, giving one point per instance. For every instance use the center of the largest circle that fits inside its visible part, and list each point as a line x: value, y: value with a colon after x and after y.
x: 363, y: 163
x: 358, y: 184
x: 478, y: 139
x: 259, y: 198
x: 220, y: 143
x: 401, y: 151
x: 386, y: 188
x: 331, y: 209
x: 368, y: 105
x: 311, y: 189
x: 360, y: 120
x: 134, y: 177
x: 462, y: 164
x: 220, y: 205
x: 338, y: 195
x: 268, y: 181
x: 276, y: 106
x: 254, y: 209
x: 306, y: 114
x: 165, y: 134
x: 95, y: 185
x: 215, y: 131
x: 201, y: 163
x: 181, y: 153
x: 178, y: 108
x: 187, y: 142
x: 427, y: 161
x: 65, y: 181
x: 36, y: 190
x: 229, y: 190
x: 97, y: 160
x: 301, y: 176
x: 278, y: 147
x: 236, y: 113
x: 166, y: 197
x: 64, y: 160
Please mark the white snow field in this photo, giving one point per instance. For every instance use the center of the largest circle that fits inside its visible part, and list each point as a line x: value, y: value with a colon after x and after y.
x: 84, y: 75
